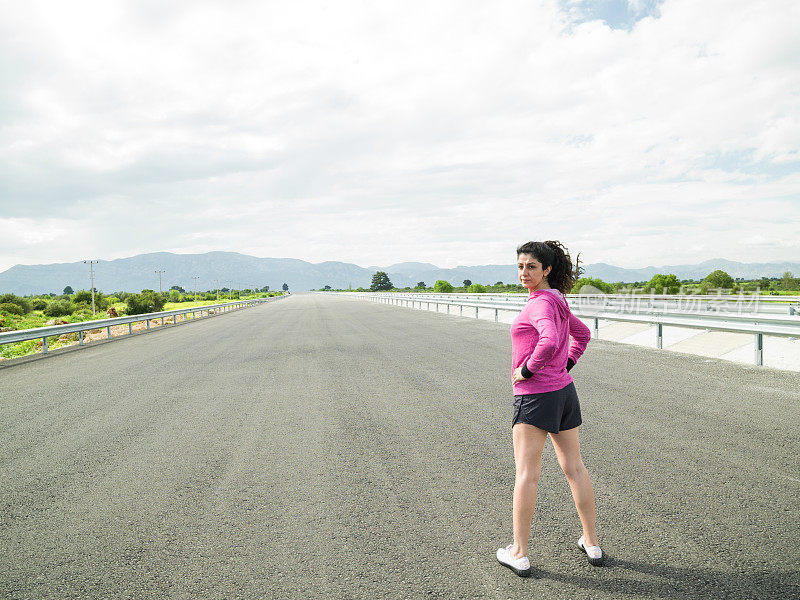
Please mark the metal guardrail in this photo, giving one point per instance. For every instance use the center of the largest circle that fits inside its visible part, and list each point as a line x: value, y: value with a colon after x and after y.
x: 759, y: 326
x: 709, y: 302
x: 592, y: 309
x: 11, y: 337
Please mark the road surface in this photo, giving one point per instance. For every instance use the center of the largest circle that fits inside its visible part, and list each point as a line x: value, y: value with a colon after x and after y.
x: 323, y: 447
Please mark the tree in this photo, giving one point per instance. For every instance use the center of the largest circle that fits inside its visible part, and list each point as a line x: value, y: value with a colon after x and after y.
x: 178, y: 288
x: 591, y: 282
x: 442, y: 287
x: 285, y: 287
x: 476, y: 288
x: 467, y: 283
x: 380, y: 282
x: 421, y: 285
x: 788, y: 282
x: 499, y: 283
x: 578, y: 267
x: 68, y: 290
x: 718, y: 279
x: 326, y: 288
x: 664, y: 284
x: 264, y: 289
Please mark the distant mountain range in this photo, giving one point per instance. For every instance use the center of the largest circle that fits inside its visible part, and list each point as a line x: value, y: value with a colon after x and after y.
x: 232, y: 269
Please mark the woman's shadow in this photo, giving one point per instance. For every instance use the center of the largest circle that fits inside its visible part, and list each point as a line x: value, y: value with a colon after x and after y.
x: 679, y: 583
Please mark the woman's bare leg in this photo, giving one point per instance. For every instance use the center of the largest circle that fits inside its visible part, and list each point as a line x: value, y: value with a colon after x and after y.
x: 528, y: 447
x: 568, y: 451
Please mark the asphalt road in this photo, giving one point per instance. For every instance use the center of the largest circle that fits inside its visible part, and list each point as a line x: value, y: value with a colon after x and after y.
x: 322, y: 447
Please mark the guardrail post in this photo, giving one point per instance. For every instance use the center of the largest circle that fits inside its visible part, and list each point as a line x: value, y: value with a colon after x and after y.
x: 108, y: 332
x: 162, y: 321
x: 130, y: 328
x: 659, y: 335
x: 148, y: 324
x: 596, y: 327
x: 44, y: 345
x: 460, y: 310
x: 80, y: 338
x: 476, y: 312
x: 495, y: 315
x: 437, y: 307
x: 448, y: 308
x: 760, y: 349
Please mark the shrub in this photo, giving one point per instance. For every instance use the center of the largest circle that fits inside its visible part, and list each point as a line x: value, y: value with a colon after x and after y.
x: 22, y: 303
x: 442, y: 287
x: 146, y: 302
x: 59, y: 308
x: 38, y: 304
x: 476, y: 288
x: 663, y: 284
x: 85, y: 296
x: 598, y: 284
x: 10, y: 308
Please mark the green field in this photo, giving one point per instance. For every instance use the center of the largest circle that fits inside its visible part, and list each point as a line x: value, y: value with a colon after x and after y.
x: 37, y: 318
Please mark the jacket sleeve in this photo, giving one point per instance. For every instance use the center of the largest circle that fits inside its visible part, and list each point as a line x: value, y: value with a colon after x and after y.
x: 580, y: 334
x: 543, y: 318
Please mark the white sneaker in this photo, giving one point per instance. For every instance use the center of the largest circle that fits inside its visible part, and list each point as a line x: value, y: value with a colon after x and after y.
x: 520, y: 566
x: 596, y: 556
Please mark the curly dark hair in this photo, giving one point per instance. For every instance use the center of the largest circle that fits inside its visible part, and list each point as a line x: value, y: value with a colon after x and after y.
x: 552, y: 254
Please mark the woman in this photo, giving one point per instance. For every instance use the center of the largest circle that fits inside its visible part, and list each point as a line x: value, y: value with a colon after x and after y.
x: 545, y: 401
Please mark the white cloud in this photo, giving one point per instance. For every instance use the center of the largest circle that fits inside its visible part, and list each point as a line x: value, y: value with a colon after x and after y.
x: 383, y: 132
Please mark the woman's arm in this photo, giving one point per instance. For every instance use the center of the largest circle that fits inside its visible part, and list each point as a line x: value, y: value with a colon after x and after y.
x: 580, y: 338
x: 543, y: 318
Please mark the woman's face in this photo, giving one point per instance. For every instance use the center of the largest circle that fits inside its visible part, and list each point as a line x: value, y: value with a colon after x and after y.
x: 530, y: 273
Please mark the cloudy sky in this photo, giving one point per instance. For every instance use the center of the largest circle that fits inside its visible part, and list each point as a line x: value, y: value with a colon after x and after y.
x: 638, y: 132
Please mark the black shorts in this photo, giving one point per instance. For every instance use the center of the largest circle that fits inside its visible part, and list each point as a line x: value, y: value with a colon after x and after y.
x: 552, y: 411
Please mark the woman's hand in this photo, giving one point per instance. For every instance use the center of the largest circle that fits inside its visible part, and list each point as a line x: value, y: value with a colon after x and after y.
x: 517, y: 377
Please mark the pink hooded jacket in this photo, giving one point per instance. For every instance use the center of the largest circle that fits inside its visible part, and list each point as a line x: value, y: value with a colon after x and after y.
x: 540, y: 339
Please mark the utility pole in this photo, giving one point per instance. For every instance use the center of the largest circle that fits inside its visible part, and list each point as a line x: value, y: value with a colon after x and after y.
x: 91, y: 275
x: 159, y: 280
x: 230, y: 292
x: 195, y: 286
x: 217, y: 291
